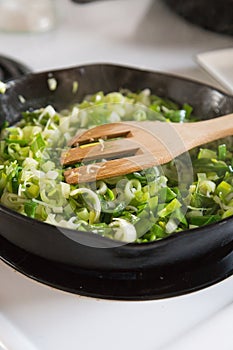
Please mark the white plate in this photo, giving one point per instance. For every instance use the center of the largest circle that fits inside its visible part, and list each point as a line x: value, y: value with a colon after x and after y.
x: 219, y: 63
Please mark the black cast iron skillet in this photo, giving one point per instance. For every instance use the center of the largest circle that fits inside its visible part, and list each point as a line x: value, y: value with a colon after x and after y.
x: 95, y: 266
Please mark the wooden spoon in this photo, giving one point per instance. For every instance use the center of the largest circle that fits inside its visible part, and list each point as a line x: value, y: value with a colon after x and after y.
x: 122, y: 148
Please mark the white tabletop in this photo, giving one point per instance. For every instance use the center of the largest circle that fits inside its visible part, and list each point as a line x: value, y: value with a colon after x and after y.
x: 36, y: 317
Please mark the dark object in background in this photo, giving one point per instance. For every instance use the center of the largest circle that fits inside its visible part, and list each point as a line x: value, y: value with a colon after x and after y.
x: 84, y: 1
x: 215, y: 15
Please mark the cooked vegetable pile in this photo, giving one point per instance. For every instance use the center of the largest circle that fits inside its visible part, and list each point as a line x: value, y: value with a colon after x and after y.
x: 139, y: 207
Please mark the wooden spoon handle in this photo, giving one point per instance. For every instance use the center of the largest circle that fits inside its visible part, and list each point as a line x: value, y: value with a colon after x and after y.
x: 200, y: 133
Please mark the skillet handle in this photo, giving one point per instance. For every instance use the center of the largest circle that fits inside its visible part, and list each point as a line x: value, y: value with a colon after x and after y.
x: 11, y: 69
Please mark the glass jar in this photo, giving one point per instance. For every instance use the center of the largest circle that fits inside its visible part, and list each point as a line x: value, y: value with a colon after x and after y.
x: 27, y: 15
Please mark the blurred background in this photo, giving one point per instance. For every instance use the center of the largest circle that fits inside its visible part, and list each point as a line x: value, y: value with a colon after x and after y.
x: 48, y: 34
